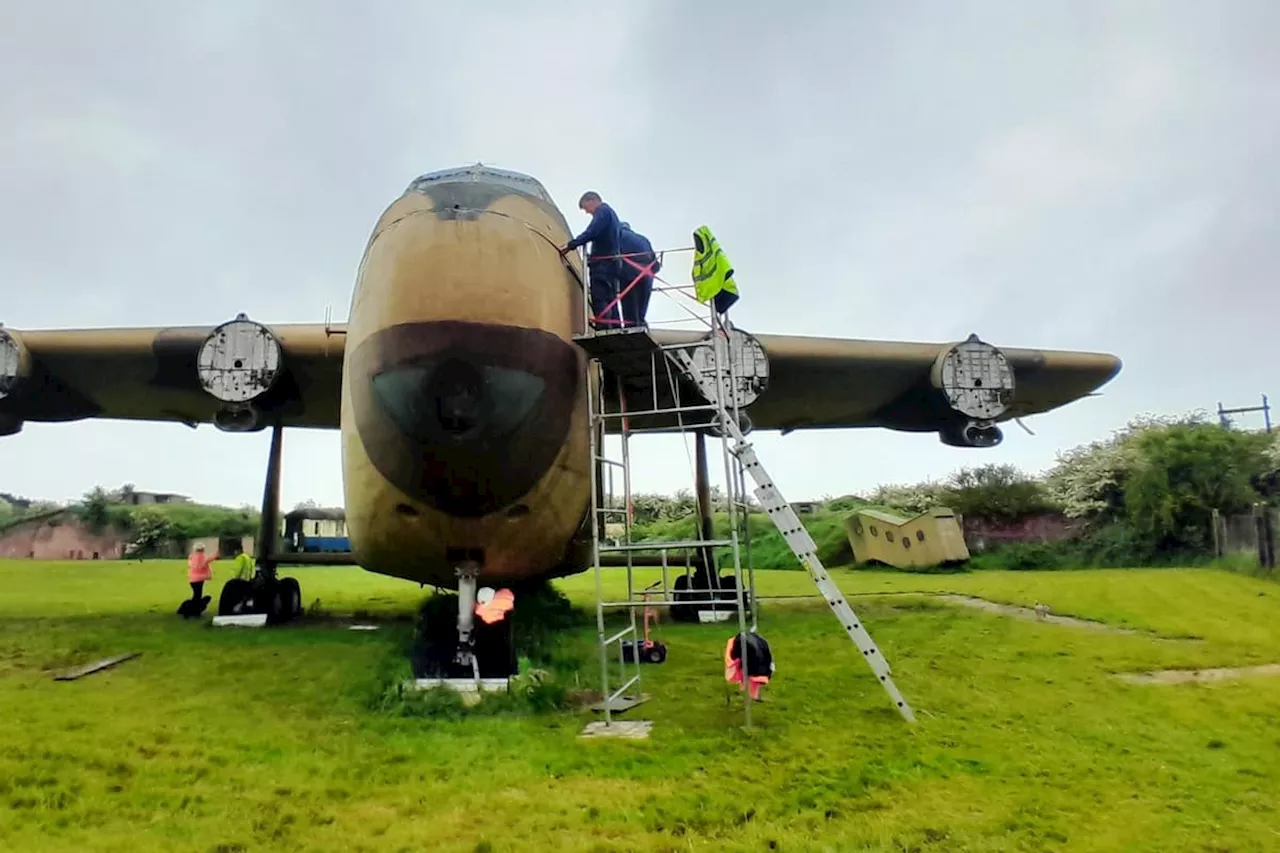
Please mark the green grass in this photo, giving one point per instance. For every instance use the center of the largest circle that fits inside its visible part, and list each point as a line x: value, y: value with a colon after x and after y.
x: 249, y: 740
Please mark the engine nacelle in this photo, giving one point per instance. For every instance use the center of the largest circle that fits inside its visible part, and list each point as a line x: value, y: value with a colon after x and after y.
x: 239, y: 362
x: 246, y: 418
x: 15, y: 363
x: 971, y: 434
x: 975, y: 379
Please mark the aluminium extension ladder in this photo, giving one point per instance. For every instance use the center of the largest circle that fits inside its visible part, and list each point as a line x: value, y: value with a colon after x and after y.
x: 790, y: 526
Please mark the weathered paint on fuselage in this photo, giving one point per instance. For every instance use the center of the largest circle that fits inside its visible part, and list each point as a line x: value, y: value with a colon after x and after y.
x: 464, y: 424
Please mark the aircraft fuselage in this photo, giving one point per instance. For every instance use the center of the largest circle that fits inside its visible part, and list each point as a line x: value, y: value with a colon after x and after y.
x: 463, y: 419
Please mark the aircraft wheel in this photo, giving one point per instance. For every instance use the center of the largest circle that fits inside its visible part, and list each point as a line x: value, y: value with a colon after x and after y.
x: 680, y: 592
x: 236, y: 597
x: 271, y: 602
x: 291, y: 599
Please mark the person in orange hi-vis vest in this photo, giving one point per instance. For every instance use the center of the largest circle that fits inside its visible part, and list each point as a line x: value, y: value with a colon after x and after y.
x: 198, y: 571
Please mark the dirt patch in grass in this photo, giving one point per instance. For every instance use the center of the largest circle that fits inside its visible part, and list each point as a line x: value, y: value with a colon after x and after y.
x: 1030, y: 613
x: 1181, y: 676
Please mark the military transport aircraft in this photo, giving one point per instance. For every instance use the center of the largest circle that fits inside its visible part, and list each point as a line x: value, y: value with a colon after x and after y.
x: 459, y: 391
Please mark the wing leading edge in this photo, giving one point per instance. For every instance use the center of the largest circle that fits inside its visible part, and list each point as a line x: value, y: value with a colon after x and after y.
x: 813, y: 383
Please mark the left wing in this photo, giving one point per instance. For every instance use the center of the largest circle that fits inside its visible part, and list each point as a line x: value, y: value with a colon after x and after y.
x: 290, y: 371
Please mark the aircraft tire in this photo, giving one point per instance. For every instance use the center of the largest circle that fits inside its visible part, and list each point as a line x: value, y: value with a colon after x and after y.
x: 271, y: 602
x: 291, y: 599
x: 234, y: 597
x: 680, y: 592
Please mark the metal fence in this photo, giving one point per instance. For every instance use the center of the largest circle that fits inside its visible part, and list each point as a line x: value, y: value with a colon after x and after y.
x: 1247, y: 537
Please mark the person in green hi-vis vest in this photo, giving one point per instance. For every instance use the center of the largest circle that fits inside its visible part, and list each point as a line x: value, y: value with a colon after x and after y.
x: 712, y: 273
x: 242, y: 566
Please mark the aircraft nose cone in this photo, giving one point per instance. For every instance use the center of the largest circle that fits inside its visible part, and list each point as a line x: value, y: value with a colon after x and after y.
x: 464, y: 417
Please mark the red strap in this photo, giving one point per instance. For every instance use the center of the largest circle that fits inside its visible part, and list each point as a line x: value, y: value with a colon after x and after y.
x: 644, y: 270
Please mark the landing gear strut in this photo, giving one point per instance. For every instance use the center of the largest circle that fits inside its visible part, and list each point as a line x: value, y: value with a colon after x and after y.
x: 453, y: 645
x: 466, y: 654
x: 705, y: 584
x: 279, y: 598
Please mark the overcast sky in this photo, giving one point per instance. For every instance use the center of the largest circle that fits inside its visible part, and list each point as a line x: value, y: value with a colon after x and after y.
x: 1096, y: 176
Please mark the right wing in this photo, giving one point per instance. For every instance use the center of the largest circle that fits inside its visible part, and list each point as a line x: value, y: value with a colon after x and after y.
x: 151, y: 374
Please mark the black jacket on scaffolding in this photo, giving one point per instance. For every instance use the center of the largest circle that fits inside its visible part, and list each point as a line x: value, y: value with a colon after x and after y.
x: 759, y: 658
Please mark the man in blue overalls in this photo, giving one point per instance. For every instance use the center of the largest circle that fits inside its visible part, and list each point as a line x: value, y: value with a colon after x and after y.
x: 639, y: 261
x: 603, y: 263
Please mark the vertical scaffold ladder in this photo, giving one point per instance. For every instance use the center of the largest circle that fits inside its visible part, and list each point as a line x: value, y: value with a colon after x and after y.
x: 616, y: 357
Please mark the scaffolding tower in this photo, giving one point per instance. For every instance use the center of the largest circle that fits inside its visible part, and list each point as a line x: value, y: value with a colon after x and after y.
x: 702, y: 384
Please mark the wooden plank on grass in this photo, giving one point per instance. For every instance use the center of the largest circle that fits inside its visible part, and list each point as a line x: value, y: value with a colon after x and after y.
x: 98, y: 666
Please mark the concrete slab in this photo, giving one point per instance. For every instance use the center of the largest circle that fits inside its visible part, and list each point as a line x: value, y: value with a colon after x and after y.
x: 245, y: 620
x: 629, y: 729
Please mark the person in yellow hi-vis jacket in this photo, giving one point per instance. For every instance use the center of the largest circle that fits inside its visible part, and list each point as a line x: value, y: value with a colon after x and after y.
x: 242, y: 566
x: 712, y: 273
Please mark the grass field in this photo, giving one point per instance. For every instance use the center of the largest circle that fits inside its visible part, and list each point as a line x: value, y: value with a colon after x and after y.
x: 242, y: 740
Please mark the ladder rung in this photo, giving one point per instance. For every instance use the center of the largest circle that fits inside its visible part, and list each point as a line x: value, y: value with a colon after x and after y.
x: 630, y: 629
x: 668, y: 546
x: 606, y: 460
x: 644, y: 413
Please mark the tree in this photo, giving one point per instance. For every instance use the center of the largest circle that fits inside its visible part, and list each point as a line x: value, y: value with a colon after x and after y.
x: 1088, y: 481
x: 151, y: 532
x: 911, y: 499
x: 1181, y: 473
x: 94, y: 510
x: 994, y: 491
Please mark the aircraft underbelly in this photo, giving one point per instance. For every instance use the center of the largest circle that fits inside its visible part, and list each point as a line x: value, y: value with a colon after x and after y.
x: 464, y: 429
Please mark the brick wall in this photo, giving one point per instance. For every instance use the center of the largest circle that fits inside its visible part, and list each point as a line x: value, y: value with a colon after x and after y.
x: 59, y: 538
x: 981, y: 534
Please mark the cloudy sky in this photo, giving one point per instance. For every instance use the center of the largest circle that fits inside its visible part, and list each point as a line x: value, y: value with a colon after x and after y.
x: 1097, y: 176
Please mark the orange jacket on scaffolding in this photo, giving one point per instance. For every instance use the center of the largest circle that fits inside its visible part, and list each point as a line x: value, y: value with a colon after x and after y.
x: 733, y: 670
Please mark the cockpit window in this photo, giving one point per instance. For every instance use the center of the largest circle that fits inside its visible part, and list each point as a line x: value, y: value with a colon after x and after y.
x: 480, y: 173
x: 455, y: 400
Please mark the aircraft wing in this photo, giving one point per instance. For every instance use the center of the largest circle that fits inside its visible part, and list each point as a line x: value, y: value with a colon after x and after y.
x: 834, y: 383
x: 159, y: 374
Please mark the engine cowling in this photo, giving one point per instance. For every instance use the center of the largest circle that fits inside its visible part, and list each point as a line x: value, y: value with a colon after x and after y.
x: 238, y: 363
x: 975, y: 380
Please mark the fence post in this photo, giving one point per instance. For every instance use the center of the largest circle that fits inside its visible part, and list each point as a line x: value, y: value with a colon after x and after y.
x: 1269, y: 537
x: 1217, y: 534
x: 1265, y: 535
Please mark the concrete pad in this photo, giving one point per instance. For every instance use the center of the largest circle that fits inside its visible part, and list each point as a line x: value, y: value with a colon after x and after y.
x: 629, y: 729
x: 245, y: 620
